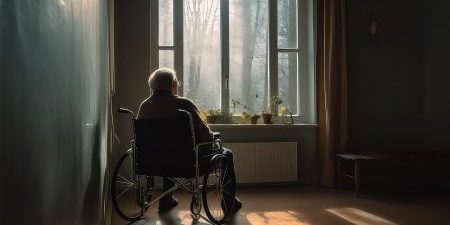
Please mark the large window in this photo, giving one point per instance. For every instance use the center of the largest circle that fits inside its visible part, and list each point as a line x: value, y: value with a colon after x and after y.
x: 248, y: 53
x: 225, y: 50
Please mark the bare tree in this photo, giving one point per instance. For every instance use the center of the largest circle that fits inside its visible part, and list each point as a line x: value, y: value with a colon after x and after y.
x: 252, y: 27
x: 201, y: 17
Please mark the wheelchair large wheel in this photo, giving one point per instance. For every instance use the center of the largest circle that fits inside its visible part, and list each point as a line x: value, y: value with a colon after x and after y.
x: 216, y: 187
x: 129, y: 192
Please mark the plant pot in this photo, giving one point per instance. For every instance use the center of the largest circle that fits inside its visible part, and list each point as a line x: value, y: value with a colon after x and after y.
x: 267, y: 118
x: 254, y: 119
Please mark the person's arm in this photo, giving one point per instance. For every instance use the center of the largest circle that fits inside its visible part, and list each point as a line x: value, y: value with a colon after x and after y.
x: 143, y: 109
x: 140, y: 112
x: 138, y: 115
x: 202, y: 131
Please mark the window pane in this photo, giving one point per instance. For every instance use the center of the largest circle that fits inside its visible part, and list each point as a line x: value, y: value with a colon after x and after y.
x: 287, y: 79
x: 166, y: 58
x: 202, y: 77
x: 166, y: 22
x: 248, y: 54
x: 287, y: 24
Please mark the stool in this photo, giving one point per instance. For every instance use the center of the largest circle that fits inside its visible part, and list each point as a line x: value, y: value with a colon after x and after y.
x: 356, y: 159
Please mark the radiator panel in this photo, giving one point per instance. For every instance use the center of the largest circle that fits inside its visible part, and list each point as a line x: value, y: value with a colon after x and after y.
x: 264, y: 162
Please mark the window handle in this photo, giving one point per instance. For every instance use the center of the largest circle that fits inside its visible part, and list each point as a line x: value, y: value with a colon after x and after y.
x: 226, y: 83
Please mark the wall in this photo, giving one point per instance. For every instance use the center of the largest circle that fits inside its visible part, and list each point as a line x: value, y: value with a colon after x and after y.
x: 132, y: 63
x: 54, y: 107
x: 437, y: 74
x: 398, y: 94
x: 133, y: 52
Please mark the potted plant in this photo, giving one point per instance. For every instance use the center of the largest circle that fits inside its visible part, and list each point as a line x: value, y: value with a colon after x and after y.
x: 254, y: 118
x: 267, y: 117
x: 212, y: 115
x: 284, y: 112
x: 236, y: 105
x: 272, y: 105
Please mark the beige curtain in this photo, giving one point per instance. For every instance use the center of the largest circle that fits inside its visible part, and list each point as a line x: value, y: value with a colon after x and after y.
x: 331, y: 70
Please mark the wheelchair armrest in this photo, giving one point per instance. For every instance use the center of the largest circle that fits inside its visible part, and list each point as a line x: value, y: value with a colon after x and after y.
x: 216, y: 135
x: 216, y: 144
x: 211, y: 143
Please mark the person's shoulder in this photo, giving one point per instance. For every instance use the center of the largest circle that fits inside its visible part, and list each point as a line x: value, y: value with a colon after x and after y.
x: 144, y: 105
x: 146, y: 101
x: 186, y: 102
x: 143, y: 108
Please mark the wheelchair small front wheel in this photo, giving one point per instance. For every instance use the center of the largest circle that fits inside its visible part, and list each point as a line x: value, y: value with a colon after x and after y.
x: 196, y: 206
x: 218, y: 190
x: 129, y: 192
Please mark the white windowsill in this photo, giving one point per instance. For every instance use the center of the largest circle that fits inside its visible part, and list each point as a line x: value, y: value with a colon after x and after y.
x: 262, y: 126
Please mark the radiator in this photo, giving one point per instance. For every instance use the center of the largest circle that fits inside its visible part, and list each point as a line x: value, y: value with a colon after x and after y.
x: 264, y: 161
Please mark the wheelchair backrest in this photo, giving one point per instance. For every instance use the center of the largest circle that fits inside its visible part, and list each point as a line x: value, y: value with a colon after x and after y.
x: 165, y: 146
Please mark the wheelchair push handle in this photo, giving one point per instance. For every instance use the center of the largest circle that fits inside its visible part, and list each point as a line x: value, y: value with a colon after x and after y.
x: 126, y: 111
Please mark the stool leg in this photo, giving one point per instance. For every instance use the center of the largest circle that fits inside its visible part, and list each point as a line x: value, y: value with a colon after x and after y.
x: 339, y: 174
x: 357, y: 178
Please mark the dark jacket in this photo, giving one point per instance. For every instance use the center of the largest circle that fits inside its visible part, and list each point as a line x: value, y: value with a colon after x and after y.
x: 164, y: 104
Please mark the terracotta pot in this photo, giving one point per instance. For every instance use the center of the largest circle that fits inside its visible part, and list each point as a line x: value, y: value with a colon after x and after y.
x: 267, y: 117
x: 254, y: 119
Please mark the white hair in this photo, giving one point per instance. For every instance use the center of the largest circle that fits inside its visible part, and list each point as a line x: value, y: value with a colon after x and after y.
x: 162, y: 79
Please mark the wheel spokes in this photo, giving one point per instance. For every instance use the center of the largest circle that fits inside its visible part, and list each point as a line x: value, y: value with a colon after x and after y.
x: 125, y: 179
x: 218, y: 206
x: 123, y: 192
x: 128, y: 190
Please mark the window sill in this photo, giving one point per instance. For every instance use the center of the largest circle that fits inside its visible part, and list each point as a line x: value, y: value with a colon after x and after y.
x: 261, y: 126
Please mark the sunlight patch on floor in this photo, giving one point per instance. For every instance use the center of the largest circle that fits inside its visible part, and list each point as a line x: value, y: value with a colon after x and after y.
x: 274, y: 218
x: 359, y: 217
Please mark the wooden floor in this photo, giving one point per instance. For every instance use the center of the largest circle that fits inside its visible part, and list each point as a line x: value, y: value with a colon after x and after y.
x: 316, y: 206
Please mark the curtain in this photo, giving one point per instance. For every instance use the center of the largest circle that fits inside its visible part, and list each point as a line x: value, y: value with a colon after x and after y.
x: 331, y: 72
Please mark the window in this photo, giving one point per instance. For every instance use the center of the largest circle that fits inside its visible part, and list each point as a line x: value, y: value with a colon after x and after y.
x: 202, y: 52
x: 248, y: 53
x: 246, y: 50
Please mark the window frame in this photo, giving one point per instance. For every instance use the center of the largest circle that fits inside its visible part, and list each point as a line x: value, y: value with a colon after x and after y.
x: 305, y: 52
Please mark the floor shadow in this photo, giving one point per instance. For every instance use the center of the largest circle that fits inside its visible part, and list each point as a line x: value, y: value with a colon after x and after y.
x: 171, y: 218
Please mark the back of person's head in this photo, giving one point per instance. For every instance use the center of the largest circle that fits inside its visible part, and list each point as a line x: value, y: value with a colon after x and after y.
x: 162, y: 79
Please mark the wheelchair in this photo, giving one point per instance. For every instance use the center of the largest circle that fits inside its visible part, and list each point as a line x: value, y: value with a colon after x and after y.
x: 166, y: 147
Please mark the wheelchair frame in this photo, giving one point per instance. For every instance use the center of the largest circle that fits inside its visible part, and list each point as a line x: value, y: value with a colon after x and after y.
x: 191, y: 185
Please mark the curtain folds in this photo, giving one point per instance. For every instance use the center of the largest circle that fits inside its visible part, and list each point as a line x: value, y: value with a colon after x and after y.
x: 331, y: 72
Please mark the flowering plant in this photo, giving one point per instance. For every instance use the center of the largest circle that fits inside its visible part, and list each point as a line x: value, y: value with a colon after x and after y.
x: 236, y: 105
x: 210, y: 115
x: 274, y: 101
x: 283, y: 110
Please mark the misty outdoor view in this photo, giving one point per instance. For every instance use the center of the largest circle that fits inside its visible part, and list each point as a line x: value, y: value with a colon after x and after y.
x: 249, y: 76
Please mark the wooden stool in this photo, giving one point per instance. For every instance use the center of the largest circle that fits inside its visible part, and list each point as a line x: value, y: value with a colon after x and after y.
x: 356, y: 159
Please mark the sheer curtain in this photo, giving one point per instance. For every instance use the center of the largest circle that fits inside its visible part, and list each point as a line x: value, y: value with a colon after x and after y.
x: 331, y: 71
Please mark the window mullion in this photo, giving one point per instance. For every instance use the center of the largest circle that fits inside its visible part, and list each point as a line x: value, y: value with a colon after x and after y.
x: 273, y: 49
x: 306, y: 57
x: 178, y: 40
x: 225, y: 53
x: 154, y: 35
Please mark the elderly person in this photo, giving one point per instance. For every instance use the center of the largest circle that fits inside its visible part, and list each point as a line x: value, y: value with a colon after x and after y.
x: 165, y: 102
